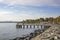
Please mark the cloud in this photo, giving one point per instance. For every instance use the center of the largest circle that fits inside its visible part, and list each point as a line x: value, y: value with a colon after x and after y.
x: 33, y: 2
x: 5, y: 15
x: 1, y: 0
x: 5, y: 12
x: 25, y: 9
x: 12, y: 16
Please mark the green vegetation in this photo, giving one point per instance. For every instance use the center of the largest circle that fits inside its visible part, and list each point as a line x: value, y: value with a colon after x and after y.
x: 50, y: 20
x: 57, y: 20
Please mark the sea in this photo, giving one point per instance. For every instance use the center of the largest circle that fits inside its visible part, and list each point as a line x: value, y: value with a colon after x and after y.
x: 9, y: 31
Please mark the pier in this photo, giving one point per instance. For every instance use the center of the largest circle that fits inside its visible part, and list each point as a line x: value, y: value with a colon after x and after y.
x: 35, y: 25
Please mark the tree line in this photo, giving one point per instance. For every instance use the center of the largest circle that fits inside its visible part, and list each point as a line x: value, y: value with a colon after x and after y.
x: 50, y: 20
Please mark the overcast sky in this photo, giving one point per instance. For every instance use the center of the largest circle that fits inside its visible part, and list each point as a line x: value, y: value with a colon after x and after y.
x: 17, y: 10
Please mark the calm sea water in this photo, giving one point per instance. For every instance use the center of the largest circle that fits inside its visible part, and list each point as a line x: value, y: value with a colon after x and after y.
x: 9, y: 31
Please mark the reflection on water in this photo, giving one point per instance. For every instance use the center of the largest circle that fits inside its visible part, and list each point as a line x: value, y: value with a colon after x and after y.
x: 9, y: 31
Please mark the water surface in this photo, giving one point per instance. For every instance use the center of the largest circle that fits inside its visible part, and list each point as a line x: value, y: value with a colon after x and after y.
x: 9, y: 31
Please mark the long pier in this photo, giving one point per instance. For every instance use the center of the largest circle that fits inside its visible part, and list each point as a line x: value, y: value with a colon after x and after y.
x: 29, y: 25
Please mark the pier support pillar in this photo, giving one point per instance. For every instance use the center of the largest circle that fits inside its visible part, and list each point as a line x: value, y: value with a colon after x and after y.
x: 41, y: 26
x: 37, y: 26
x: 30, y: 26
x: 23, y: 26
x: 34, y: 26
x: 26, y: 26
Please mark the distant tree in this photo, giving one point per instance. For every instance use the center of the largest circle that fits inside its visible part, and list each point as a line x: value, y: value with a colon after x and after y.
x: 58, y: 19
x: 41, y: 19
x: 46, y: 19
x: 51, y: 19
x: 37, y: 20
x: 55, y: 21
x: 23, y: 21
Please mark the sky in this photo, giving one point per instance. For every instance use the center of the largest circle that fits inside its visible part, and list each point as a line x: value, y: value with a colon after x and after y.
x: 18, y: 10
